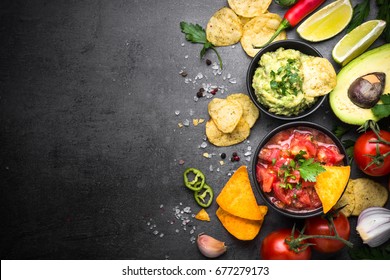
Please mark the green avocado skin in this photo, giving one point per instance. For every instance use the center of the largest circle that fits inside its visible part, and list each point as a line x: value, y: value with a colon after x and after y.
x: 375, y: 60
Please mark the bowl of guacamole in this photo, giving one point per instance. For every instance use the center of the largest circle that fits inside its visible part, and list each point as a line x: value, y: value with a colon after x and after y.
x: 278, y: 80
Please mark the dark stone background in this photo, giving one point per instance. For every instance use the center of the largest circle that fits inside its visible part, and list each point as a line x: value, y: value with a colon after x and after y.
x: 91, y: 151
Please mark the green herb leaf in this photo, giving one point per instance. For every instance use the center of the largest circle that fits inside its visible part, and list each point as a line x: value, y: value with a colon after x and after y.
x: 339, y: 131
x: 310, y: 169
x: 360, y: 12
x: 367, y: 253
x: 382, y: 110
x: 197, y: 35
x: 349, y: 145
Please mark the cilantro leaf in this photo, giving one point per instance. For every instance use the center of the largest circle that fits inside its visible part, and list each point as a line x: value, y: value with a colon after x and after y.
x: 382, y: 110
x: 360, y: 12
x: 310, y: 169
x: 197, y: 35
x: 339, y: 131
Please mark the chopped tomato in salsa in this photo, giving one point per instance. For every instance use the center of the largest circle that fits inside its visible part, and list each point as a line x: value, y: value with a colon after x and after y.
x: 277, y: 171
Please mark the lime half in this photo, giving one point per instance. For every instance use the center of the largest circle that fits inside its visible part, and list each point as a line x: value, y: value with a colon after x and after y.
x: 357, y: 41
x: 327, y: 22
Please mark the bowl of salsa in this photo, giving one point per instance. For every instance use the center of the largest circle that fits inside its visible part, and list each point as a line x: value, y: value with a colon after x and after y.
x: 287, y: 162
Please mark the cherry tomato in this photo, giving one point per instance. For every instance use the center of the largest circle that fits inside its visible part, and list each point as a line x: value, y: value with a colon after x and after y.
x: 274, y: 247
x: 319, y: 226
x: 363, y: 150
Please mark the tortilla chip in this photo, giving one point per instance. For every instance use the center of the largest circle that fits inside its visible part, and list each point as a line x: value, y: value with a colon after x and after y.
x: 249, y: 8
x: 331, y: 184
x: 347, y: 200
x: 368, y: 193
x: 220, y: 139
x: 225, y: 113
x: 203, y: 215
x: 319, y: 76
x: 259, y: 30
x: 249, y: 110
x: 224, y: 28
x: 237, y: 196
x: 242, y: 229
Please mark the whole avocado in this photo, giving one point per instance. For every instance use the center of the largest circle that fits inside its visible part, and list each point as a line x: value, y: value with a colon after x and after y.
x: 375, y: 60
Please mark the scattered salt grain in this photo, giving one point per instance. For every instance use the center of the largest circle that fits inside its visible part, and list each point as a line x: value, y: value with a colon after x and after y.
x: 177, y: 112
x: 211, y: 168
x: 155, y: 232
x: 248, y: 153
x: 248, y: 158
x: 161, y: 235
x: 186, y: 56
x: 186, y: 122
x: 203, y: 145
x: 233, y: 80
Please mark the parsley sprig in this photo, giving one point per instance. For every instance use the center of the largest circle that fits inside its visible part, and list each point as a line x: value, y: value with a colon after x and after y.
x: 197, y: 35
x: 309, y: 169
x: 382, y: 110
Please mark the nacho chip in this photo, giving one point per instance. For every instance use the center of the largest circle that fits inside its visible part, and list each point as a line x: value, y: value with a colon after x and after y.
x: 259, y: 30
x: 225, y: 113
x: 347, y: 200
x: 224, y: 28
x: 249, y: 8
x: 237, y: 196
x: 244, y: 20
x: 319, y: 76
x: 249, y: 110
x: 331, y: 184
x: 203, y: 215
x: 368, y: 193
x: 218, y: 138
x: 242, y: 229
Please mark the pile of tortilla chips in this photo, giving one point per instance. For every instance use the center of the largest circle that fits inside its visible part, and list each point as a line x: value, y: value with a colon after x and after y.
x: 245, y: 21
x: 330, y: 185
x: 238, y: 210
x: 360, y: 194
x: 230, y: 119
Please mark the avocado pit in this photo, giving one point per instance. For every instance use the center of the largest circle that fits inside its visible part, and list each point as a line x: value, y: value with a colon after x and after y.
x: 366, y: 90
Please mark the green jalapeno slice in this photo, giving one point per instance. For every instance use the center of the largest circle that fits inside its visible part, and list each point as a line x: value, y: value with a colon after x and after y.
x: 197, y: 183
x: 204, y: 197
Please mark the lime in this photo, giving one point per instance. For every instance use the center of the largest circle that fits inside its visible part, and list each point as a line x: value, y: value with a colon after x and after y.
x: 327, y: 22
x: 357, y: 41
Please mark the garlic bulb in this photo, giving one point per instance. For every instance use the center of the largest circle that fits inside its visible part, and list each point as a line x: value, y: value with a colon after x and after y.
x: 209, y: 246
x: 373, y: 226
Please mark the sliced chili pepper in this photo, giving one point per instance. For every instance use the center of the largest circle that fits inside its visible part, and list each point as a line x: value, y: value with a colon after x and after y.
x: 204, y: 197
x: 293, y: 16
x: 197, y: 183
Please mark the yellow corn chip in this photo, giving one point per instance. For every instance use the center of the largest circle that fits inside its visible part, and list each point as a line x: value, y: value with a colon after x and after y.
x: 224, y: 28
x: 202, y: 215
x: 218, y: 138
x: 259, y: 30
x: 237, y: 196
x: 249, y: 8
x: 242, y: 229
x: 249, y: 110
x: 331, y: 184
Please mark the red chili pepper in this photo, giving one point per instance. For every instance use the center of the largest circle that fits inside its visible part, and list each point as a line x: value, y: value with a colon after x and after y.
x: 294, y: 15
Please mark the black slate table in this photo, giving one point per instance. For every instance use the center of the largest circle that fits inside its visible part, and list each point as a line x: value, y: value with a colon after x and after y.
x: 92, y: 155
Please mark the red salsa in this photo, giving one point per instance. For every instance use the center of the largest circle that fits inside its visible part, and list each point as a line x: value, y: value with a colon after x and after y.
x: 281, y: 161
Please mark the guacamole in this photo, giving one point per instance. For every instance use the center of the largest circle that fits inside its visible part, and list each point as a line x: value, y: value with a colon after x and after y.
x: 278, y: 82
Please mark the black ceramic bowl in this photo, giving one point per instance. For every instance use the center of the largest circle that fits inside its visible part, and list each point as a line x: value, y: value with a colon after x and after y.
x: 286, y: 44
x: 269, y: 200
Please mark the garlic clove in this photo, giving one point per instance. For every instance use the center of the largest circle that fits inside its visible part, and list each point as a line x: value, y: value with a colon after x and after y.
x: 209, y: 246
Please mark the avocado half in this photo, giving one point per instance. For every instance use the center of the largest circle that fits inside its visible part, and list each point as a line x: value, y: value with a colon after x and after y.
x: 375, y: 60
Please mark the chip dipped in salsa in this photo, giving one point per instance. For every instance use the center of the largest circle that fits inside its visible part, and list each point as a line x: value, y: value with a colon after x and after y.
x: 289, y: 163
